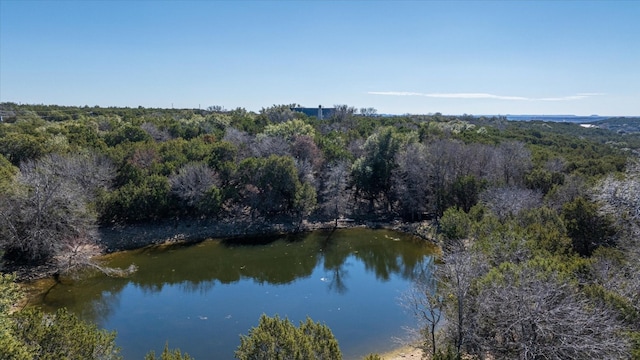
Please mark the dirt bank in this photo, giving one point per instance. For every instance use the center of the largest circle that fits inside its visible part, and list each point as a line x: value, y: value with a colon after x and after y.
x: 118, y: 238
x: 128, y: 237
x: 403, y: 353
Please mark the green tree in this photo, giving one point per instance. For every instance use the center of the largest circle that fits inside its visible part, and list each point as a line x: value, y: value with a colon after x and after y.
x: 149, y: 200
x: 276, y: 338
x: 290, y: 129
x: 11, y: 347
x: 62, y: 335
x: 168, y: 354
x: 126, y: 133
x: 465, y: 192
x: 587, y: 229
x: 271, y: 186
x: 7, y: 172
x: 372, y: 172
x: 455, y: 224
x: 18, y: 147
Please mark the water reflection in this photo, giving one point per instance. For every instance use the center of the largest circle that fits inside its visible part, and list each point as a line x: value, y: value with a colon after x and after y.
x: 250, y: 276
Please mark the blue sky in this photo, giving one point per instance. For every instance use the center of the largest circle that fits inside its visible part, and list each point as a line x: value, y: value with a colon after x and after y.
x: 474, y: 57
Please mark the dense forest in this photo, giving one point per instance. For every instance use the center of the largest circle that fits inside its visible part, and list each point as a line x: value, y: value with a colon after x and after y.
x: 539, y: 222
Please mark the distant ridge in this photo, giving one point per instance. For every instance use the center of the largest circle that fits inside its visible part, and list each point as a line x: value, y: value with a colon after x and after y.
x: 558, y: 118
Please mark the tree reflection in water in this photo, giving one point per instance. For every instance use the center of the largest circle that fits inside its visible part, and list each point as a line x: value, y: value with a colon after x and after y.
x: 339, y: 261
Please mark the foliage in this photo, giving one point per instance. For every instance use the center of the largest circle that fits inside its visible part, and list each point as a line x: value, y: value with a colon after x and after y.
x: 62, y: 336
x: 276, y: 338
x: 372, y: 172
x: 17, y: 147
x: 587, y: 229
x: 137, y: 202
x: 7, y: 172
x: 409, y: 166
x: 290, y: 129
x: 168, y: 354
x: 372, y: 357
x: 540, y: 207
x: 271, y: 186
x: 11, y: 346
x: 455, y: 224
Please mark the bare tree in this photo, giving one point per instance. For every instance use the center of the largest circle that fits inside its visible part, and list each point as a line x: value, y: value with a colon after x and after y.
x: 155, y: 133
x: 216, y: 108
x: 426, y: 303
x: 265, y: 146
x: 514, y: 160
x: 506, y: 202
x: 573, y: 188
x: 241, y: 140
x: 621, y: 199
x: 442, y: 156
x: 279, y: 113
x: 335, y: 194
x: 49, y: 210
x: 620, y: 272
x: 456, y: 275
x: 343, y: 112
x: 304, y: 148
x: 305, y: 171
x: 144, y: 157
x: 192, y: 181
x: 555, y: 165
x: 368, y: 111
x: 411, y: 181
x: 523, y: 314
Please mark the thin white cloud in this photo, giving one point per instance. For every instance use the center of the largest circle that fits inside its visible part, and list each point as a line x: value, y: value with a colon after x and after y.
x: 578, y: 96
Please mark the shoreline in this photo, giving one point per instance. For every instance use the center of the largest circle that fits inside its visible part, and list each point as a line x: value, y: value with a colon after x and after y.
x: 405, y: 352
x: 136, y: 236
x: 116, y: 238
x: 122, y: 238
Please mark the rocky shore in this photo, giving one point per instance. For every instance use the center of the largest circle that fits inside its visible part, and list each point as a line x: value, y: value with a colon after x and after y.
x: 128, y: 237
x: 134, y: 236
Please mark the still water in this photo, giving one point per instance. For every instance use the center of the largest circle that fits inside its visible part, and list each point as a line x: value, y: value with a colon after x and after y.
x: 201, y: 297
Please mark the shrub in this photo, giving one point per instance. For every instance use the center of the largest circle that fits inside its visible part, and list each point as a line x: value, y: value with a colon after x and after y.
x: 276, y: 338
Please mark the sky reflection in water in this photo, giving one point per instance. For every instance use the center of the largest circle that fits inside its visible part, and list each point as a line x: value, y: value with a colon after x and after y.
x: 200, y: 298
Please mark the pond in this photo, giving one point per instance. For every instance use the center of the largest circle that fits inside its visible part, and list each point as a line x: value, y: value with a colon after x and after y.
x: 201, y: 297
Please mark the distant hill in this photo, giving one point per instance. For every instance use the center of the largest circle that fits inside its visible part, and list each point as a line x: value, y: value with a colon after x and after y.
x: 620, y: 124
x: 558, y: 118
